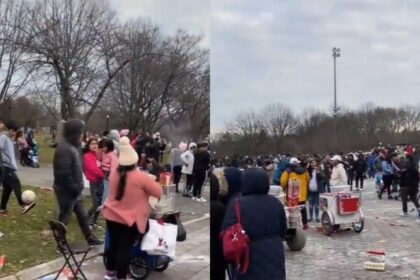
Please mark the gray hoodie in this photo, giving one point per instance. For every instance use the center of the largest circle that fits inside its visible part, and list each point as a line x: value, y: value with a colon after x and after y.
x: 7, y: 152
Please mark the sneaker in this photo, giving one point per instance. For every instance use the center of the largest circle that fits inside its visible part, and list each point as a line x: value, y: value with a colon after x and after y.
x: 93, y: 241
x: 318, y: 221
x: 201, y: 199
x: 95, y: 227
x: 4, y: 213
x: 305, y: 226
x: 310, y: 220
x: 110, y: 275
x: 194, y: 198
x: 404, y: 214
x: 418, y: 220
x: 390, y: 198
x: 27, y: 208
x: 379, y: 196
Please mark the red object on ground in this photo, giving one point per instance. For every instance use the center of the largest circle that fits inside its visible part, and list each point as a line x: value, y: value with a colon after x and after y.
x: 376, y: 252
x: 348, y: 205
x: 165, y: 178
x: 2, y: 261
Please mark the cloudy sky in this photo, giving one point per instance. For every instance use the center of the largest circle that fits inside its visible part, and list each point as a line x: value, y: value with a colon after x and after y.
x: 281, y: 51
x: 190, y: 15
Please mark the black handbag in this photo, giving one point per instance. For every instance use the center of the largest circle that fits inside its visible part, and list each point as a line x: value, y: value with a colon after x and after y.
x: 182, y: 233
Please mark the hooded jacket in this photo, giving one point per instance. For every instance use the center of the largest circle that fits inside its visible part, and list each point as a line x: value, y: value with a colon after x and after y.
x: 300, y: 174
x: 266, y: 238
x: 114, y: 135
x: 410, y: 177
x: 67, y: 163
x: 338, y: 176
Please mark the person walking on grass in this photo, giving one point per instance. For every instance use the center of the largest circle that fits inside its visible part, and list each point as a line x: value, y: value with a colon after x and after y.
x: 8, y: 166
x: 409, y: 186
x: 126, y: 210
x: 68, y: 178
x: 200, y: 169
x: 95, y: 176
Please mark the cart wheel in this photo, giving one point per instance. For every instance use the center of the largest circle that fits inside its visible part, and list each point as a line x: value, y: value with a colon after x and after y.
x: 358, y: 227
x: 327, y: 225
x: 297, y: 241
x: 138, y: 268
x: 162, y: 267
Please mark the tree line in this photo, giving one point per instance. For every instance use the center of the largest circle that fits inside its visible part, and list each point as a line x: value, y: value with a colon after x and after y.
x: 75, y: 59
x: 276, y: 129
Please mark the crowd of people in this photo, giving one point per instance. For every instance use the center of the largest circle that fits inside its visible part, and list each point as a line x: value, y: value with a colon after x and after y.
x: 395, y: 170
x: 120, y: 168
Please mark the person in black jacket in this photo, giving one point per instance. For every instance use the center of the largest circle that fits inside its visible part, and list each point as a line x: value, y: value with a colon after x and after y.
x: 217, y: 213
x: 264, y: 220
x: 409, y: 185
x: 200, y: 169
x: 360, y: 169
x: 68, y: 178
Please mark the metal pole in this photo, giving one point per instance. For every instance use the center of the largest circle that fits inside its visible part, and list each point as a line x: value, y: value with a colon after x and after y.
x: 335, y: 87
x: 107, y: 123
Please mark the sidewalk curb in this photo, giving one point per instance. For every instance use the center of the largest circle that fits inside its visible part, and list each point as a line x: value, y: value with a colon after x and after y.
x: 45, y: 269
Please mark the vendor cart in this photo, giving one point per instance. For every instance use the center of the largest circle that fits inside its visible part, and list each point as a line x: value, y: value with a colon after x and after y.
x: 295, y: 237
x: 341, y: 210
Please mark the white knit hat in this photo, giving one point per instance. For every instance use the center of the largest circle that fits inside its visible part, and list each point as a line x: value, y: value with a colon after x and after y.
x: 128, y: 155
x: 192, y: 144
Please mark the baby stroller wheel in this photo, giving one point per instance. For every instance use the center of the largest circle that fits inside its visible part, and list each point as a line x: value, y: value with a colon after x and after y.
x: 162, y: 267
x: 138, y: 268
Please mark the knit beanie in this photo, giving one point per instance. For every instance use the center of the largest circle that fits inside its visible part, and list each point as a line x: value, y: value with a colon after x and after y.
x: 128, y: 155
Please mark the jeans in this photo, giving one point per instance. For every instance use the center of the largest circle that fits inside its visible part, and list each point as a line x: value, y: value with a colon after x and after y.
x: 96, y: 192
x: 121, y: 242
x: 105, y: 191
x: 409, y: 194
x: 11, y: 183
x: 313, y: 200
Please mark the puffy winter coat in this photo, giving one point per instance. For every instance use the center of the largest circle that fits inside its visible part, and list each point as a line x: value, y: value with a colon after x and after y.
x: 257, y: 207
x: 338, y: 176
x: 67, y: 163
x: 188, y: 160
x: 300, y: 174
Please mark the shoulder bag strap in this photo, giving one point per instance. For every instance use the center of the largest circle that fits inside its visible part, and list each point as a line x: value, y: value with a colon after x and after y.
x: 237, y: 210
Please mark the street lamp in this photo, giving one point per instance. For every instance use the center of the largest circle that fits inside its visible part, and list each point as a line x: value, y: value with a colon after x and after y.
x: 107, y: 122
x: 336, y: 53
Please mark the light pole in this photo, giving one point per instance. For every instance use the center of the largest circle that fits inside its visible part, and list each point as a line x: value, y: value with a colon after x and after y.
x: 335, y: 54
x: 107, y: 123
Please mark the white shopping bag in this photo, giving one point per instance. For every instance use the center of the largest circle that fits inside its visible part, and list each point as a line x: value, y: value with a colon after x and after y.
x: 160, y: 239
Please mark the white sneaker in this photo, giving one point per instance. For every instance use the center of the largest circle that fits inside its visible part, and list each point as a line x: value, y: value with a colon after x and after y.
x: 193, y: 198
x: 403, y: 214
x: 201, y: 199
x: 418, y: 220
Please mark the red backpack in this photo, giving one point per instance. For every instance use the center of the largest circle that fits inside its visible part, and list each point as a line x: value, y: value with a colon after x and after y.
x: 236, y: 243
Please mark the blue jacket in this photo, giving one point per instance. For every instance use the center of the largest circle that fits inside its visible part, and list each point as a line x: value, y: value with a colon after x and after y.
x: 282, y: 166
x: 371, y: 161
x: 387, y: 168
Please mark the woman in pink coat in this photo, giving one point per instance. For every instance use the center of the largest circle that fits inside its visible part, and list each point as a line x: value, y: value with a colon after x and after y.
x: 126, y: 209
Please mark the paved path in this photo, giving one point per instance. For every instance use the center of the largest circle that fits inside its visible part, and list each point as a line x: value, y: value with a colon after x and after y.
x: 342, y: 255
x: 192, y: 258
x: 43, y: 177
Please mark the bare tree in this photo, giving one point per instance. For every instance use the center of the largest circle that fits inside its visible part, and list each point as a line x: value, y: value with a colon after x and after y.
x: 12, y: 75
x: 278, y: 120
x: 72, y: 47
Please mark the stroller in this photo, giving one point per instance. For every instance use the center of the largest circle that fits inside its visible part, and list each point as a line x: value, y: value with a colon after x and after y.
x: 141, y: 262
x: 31, y: 158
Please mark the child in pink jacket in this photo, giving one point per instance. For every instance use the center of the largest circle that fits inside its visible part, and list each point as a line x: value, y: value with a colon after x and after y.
x: 109, y: 162
x: 95, y: 176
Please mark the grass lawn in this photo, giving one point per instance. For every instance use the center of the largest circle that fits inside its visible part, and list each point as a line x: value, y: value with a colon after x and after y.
x: 46, y: 153
x: 28, y: 240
